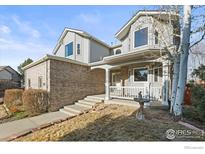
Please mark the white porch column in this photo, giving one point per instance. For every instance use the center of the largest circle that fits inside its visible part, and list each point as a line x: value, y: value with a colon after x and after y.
x: 107, y: 84
x: 165, y: 80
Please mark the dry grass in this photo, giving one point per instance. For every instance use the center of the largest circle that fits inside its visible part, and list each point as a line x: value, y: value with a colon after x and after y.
x: 109, y: 123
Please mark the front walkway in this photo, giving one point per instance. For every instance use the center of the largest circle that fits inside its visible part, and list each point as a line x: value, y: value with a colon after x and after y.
x: 12, y: 130
x: 19, y: 127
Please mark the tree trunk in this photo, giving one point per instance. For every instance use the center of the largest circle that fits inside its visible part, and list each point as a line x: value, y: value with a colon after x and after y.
x: 183, y: 61
x: 175, y: 80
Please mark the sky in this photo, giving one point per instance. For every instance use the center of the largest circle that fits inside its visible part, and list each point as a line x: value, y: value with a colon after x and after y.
x: 33, y: 31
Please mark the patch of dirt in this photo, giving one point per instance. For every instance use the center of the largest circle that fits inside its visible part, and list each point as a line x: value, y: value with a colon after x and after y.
x: 110, y: 123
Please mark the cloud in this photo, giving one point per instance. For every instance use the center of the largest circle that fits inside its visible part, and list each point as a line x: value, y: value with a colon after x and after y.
x: 26, y: 27
x: 4, y: 29
x: 90, y: 18
x: 22, y: 47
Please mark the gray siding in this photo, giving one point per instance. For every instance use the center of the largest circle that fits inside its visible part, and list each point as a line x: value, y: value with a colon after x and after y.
x: 97, y: 51
x: 40, y: 70
x: 163, y: 29
x: 76, y: 39
x: 5, y: 75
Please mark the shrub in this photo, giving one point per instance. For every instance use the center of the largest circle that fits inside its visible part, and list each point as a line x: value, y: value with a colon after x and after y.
x: 13, y: 100
x: 35, y: 101
x: 198, y: 100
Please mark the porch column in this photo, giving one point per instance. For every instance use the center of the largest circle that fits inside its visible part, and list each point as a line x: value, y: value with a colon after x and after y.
x: 165, y: 80
x: 107, y: 84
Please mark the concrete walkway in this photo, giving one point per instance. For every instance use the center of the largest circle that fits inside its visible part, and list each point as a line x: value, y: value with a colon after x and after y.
x: 11, y: 130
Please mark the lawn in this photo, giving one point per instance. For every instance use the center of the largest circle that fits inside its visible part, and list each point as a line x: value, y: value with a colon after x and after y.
x: 110, y: 123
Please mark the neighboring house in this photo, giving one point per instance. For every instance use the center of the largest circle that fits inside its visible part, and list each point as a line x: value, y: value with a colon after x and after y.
x: 83, y: 65
x: 9, y: 78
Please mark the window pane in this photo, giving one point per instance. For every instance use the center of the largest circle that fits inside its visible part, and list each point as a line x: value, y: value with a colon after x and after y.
x: 69, y: 49
x: 155, y: 75
x: 156, y: 37
x: 29, y: 82
x: 78, y: 49
x: 39, y: 82
x: 118, y: 51
x: 140, y: 74
x: 141, y: 37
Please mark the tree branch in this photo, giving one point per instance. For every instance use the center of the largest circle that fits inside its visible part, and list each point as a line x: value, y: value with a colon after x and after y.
x: 202, y: 37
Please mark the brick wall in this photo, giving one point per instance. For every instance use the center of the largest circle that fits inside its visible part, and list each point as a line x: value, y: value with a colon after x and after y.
x: 71, y: 82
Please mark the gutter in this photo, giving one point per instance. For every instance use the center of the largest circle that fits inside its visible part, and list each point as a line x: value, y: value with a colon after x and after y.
x: 51, y: 57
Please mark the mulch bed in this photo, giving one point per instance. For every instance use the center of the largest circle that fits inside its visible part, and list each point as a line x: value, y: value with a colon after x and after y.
x: 110, y: 123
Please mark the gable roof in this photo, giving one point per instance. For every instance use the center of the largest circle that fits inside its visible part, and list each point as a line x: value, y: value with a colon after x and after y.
x: 2, y: 68
x: 7, y: 69
x: 125, y: 29
x: 79, y: 32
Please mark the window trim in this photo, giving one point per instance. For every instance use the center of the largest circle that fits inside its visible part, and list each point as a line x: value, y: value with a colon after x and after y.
x: 72, y: 49
x: 147, y: 38
x: 134, y: 75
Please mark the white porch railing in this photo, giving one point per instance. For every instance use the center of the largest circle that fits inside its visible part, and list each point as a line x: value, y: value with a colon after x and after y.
x: 129, y: 92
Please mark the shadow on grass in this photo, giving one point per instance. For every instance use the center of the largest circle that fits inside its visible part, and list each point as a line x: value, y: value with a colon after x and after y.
x: 122, y: 128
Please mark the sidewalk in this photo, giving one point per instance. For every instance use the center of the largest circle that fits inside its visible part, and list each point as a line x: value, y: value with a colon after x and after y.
x: 17, y: 128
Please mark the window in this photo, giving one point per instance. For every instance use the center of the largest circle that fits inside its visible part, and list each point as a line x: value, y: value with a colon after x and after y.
x: 141, y: 37
x: 140, y: 74
x: 29, y: 83
x: 78, y: 49
x: 69, y: 49
x: 156, y: 35
x: 156, y: 73
x: 118, y: 51
x: 111, y: 53
x: 40, y: 84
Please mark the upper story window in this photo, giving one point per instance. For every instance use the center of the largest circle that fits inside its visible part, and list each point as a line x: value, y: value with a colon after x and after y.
x: 118, y: 51
x: 111, y: 53
x: 156, y: 37
x: 78, y: 48
x: 141, y: 37
x: 69, y: 49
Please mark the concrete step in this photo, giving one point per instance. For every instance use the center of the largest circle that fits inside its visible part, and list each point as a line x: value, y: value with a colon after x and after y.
x: 95, y: 100
x: 87, y: 102
x: 76, y: 108
x: 70, y: 113
x: 120, y: 102
x: 84, y: 105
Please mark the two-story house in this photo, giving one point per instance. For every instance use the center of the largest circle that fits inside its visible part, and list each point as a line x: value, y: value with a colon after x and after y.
x: 83, y: 65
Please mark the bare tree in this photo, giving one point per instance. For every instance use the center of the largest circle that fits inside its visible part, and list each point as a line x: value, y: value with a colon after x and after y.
x: 178, y: 52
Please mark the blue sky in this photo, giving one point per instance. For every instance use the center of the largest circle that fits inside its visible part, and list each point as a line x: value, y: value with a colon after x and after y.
x: 32, y: 31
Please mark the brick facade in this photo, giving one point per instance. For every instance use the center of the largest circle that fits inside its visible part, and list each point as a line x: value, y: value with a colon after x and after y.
x: 70, y: 82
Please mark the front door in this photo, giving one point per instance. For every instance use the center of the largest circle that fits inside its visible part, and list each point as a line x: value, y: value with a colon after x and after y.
x: 116, y: 79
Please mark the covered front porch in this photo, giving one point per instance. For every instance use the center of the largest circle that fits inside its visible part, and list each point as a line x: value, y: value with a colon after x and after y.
x: 126, y: 78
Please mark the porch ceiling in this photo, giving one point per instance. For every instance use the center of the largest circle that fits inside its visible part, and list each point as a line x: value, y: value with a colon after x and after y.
x: 149, y: 55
